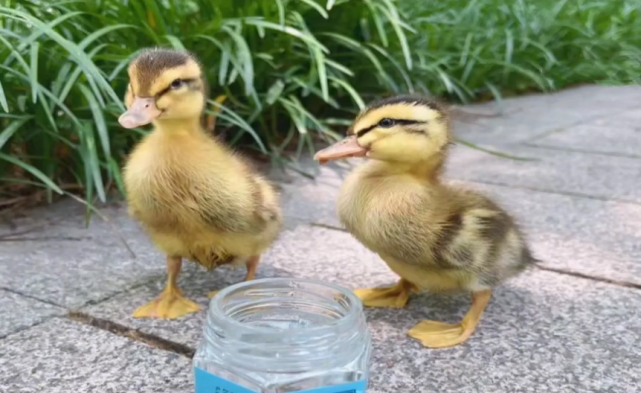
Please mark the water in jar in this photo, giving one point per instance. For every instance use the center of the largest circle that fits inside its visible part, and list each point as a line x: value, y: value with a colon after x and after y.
x: 285, y: 335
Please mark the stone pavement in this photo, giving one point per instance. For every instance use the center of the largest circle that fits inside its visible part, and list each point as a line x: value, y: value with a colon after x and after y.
x: 573, y: 325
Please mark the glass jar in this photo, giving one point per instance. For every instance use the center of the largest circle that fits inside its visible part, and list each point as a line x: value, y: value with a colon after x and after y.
x: 283, y: 335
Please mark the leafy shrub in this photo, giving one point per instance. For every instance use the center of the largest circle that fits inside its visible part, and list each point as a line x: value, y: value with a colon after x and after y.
x: 287, y: 71
x: 283, y: 74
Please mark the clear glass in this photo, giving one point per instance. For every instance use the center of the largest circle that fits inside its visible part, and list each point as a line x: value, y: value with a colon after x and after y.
x: 285, y: 335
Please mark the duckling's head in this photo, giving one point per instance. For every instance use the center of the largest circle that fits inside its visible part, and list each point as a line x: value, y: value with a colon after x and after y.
x: 164, y: 84
x: 399, y: 129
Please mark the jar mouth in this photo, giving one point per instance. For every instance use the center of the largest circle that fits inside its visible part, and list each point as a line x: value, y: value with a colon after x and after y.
x: 345, y: 311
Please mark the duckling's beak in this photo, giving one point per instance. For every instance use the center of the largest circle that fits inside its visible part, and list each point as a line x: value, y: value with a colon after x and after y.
x: 141, y: 112
x: 348, y: 147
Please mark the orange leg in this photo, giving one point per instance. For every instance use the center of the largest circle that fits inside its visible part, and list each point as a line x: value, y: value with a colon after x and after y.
x: 252, y: 265
x: 435, y: 334
x: 170, y: 304
x: 392, y: 297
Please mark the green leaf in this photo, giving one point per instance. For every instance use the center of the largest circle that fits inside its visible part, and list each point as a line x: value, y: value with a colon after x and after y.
x: 34, y: 72
x: 92, y: 162
x: 224, y: 66
x: 352, y: 92
x: 76, y: 53
x: 25, y: 42
x: 231, y: 116
x: 99, y: 119
x: 11, y: 129
x: 88, y: 40
x: 3, y: 99
x: 274, y: 92
x: 33, y: 170
x: 394, y: 19
x: 115, y: 171
x: 322, y: 72
x: 307, y: 38
x: 281, y: 12
x: 317, y: 7
x: 244, y: 56
x: 175, y: 42
x: 378, y: 22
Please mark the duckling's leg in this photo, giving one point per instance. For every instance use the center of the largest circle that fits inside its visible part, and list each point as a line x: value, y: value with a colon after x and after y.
x: 392, y: 297
x: 170, y: 304
x: 435, y: 334
x: 252, y: 265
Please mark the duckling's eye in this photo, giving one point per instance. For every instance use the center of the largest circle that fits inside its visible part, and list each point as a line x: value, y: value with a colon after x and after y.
x: 386, y: 123
x: 176, y: 84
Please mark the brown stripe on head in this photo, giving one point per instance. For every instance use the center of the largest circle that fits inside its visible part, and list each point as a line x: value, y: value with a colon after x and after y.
x: 151, y: 64
x: 398, y: 101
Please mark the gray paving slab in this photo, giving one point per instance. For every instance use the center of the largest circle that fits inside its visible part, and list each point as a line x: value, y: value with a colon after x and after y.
x: 542, y: 331
x: 530, y: 116
x: 51, y: 254
x: 195, y: 282
x: 71, y: 273
x: 20, y: 312
x: 61, y: 356
x: 607, y: 177
x: 630, y: 118
x: 595, y: 137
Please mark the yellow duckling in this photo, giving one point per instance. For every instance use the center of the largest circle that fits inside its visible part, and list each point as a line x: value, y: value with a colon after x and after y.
x: 194, y: 197
x: 436, y: 237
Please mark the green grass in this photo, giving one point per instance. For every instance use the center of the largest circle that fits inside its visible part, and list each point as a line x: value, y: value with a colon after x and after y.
x: 292, y: 72
x: 475, y: 49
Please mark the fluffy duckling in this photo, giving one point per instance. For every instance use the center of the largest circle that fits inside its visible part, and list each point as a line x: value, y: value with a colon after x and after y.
x: 195, y: 198
x: 436, y: 237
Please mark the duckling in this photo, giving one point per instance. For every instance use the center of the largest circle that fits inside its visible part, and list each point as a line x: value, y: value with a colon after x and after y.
x: 195, y: 198
x: 435, y: 237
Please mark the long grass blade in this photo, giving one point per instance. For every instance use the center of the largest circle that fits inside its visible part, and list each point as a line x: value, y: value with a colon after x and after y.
x: 3, y: 99
x: 33, y: 74
x: 99, y: 119
x: 392, y: 16
x: 33, y: 170
x: 231, y: 116
x: 309, y: 39
x: 11, y: 129
x: 317, y: 7
x: 88, y: 66
x: 245, y: 58
x: 351, y: 90
x: 92, y: 161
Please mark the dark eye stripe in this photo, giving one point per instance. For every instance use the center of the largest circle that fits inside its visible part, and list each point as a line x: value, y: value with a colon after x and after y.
x: 188, y: 82
x: 397, y: 121
x: 365, y: 130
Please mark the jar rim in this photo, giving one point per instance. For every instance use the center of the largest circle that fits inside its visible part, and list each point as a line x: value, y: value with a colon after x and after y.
x: 353, y: 313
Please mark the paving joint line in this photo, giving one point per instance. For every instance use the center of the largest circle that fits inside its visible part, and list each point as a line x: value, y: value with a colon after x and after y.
x: 591, y: 152
x: 134, y: 334
x: 548, y: 191
x: 549, y: 132
x: 31, y: 297
x: 24, y: 328
x: 619, y: 283
x: 93, y: 302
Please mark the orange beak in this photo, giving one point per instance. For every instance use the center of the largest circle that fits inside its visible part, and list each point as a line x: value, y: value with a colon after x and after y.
x: 142, y: 112
x: 348, y: 147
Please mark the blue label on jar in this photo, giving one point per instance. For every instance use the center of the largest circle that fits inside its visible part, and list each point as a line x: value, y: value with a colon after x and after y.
x: 210, y: 383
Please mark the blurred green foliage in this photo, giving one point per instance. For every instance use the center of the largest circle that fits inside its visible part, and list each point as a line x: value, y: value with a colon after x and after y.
x: 292, y: 72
